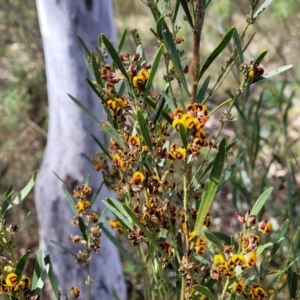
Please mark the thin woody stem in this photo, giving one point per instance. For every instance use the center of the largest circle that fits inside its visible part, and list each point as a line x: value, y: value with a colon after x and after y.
x: 199, y: 16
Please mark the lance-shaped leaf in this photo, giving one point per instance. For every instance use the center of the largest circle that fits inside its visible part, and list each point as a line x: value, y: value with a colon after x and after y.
x: 260, y: 57
x: 38, y: 268
x: 183, y: 135
x: 111, y: 131
x: 114, y: 55
x: 211, y: 186
x: 96, y: 70
x: 228, y: 173
x: 292, y: 283
x: 118, y: 210
x: 52, y: 277
x: 159, y: 27
x: 202, y: 90
x: 8, y: 204
x: 70, y: 200
x: 84, y: 108
x: 21, y: 264
x: 154, y: 68
x: 214, y: 239
x: 41, y: 281
x: 225, y: 41
x: 122, y: 40
x: 158, y: 110
x: 281, y: 234
x: 273, y: 73
x: 175, y: 57
x: 238, y: 45
x: 103, y: 148
x: 144, y: 129
x: 187, y: 12
x: 262, y: 8
x: 154, y: 106
x: 82, y: 228
x: 204, y: 291
x: 84, y: 45
x: 261, y: 201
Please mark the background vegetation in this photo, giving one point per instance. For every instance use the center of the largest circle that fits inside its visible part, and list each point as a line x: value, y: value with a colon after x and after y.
x: 272, y: 150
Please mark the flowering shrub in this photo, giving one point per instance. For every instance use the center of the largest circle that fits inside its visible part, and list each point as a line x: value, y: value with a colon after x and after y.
x: 167, y: 165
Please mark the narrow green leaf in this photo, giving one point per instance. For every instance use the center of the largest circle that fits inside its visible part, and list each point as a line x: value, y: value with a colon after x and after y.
x: 8, y: 204
x: 211, y: 186
x: 274, y: 72
x: 111, y: 131
x: 238, y: 46
x: 94, y: 88
x: 260, y: 249
x: 121, y: 249
x: 183, y: 135
x: 84, y: 45
x: 84, y: 108
x: 103, y: 148
x: 95, y: 196
x: 26, y: 190
x: 202, y: 90
x: 159, y: 27
x: 204, y: 291
x: 163, y: 113
x: 114, y: 55
x: 21, y: 264
x: 42, y: 279
x: 214, y: 239
x: 176, y: 11
x: 187, y: 12
x: 260, y: 57
x: 262, y: 8
x: 122, y: 41
x: 52, y: 277
x: 175, y: 57
x: 261, y: 201
x: 281, y: 234
x: 38, y: 267
x: 123, y: 218
x: 63, y: 248
x: 170, y: 102
x: 96, y: 70
x: 102, y: 218
x: 228, y: 173
x: 70, y: 200
x: 158, y: 110
x: 82, y: 228
x: 292, y: 283
x: 219, y: 106
x: 225, y: 41
x: 144, y: 129
x: 154, y: 68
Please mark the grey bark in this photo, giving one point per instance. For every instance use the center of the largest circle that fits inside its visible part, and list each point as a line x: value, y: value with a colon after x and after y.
x: 69, y: 137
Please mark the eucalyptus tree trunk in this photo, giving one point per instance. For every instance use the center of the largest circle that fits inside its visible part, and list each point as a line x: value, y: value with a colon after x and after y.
x: 69, y: 137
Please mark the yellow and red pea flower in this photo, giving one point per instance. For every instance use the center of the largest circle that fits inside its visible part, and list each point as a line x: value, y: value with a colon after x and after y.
x: 75, y: 292
x: 82, y: 205
x: 139, y: 81
x: 11, y: 279
x: 116, y: 225
x: 264, y: 226
x: 138, y: 178
x: 239, y: 286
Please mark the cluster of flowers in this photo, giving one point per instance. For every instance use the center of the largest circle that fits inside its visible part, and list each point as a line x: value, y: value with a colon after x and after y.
x: 92, y: 240
x: 14, y: 284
